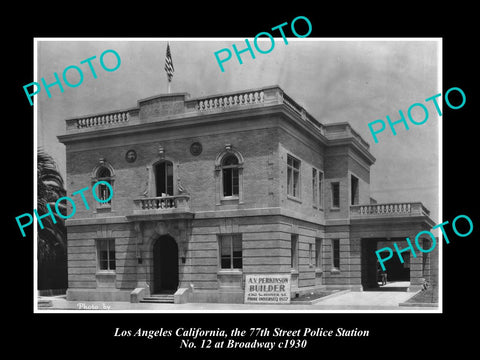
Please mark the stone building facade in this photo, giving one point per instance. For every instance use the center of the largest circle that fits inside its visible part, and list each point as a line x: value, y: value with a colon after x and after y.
x: 208, y: 190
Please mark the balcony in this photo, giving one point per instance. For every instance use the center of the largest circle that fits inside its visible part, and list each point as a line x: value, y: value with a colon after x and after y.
x: 403, y: 209
x: 162, y: 207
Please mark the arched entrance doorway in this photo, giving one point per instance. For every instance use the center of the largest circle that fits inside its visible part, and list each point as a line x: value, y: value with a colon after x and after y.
x: 165, y: 265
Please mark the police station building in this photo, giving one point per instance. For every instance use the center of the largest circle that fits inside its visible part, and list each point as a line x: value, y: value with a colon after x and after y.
x: 208, y: 190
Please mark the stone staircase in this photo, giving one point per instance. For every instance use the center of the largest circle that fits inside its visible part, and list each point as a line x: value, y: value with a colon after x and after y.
x: 44, y: 303
x: 158, y: 299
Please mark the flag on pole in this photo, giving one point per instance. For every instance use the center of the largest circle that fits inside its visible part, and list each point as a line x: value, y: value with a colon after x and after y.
x: 169, y: 64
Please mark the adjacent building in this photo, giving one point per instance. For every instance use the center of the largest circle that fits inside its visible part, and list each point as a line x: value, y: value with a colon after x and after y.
x: 208, y: 190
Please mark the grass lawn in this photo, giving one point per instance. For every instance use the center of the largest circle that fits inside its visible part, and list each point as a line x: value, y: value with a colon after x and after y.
x: 428, y: 296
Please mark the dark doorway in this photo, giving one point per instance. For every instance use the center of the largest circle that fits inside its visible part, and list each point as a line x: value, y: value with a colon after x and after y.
x: 164, y: 178
x: 369, y: 263
x: 396, y: 271
x: 165, y: 265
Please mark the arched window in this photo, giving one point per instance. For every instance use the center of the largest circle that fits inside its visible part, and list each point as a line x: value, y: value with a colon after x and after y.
x: 103, y: 192
x: 103, y: 172
x: 230, y: 176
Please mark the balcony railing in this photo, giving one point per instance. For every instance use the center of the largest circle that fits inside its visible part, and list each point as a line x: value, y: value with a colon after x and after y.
x: 163, y: 107
x: 388, y: 209
x: 160, y: 204
x: 100, y: 120
x: 225, y: 102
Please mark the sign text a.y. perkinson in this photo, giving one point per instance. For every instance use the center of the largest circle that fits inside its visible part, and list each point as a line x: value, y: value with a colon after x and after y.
x: 267, y: 289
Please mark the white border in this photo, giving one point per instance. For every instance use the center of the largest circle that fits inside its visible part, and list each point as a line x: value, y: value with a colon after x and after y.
x: 427, y: 310
x: 35, y: 194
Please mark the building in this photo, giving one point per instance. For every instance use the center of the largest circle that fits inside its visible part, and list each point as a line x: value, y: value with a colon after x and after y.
x: 207, y: 190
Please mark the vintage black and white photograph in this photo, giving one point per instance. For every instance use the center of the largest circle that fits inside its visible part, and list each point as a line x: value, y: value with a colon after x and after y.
x: 233, y: 175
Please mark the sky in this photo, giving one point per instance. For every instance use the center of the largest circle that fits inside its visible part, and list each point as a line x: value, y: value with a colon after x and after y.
x: 335, y: 80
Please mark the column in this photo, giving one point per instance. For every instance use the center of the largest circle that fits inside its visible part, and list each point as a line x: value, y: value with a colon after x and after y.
x: 416, y: 265
x: 140, y: 254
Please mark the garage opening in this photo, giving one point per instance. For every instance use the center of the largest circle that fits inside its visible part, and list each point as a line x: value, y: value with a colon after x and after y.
x: 397, y: 275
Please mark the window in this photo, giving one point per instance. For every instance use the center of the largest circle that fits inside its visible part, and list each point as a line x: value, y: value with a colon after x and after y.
x: 335, y: 195
x: 317, y: 191
x: 293, y: 176
x: 231, y: 251
x: 320, y: 190
x: 294, y: 252
x: 106, y: 254
x: 103, y: 191
x: 336, y: 253
x: 310, y: 254
x: 230, y: 176
x: 164, y: 178
x: 354, y: 190
x: 103, y: 177
x: 318, y: 253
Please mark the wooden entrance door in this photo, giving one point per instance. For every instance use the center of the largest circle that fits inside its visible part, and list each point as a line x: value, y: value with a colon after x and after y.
x: 165, y: 265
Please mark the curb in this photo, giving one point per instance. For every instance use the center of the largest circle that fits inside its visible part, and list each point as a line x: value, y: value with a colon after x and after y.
x: 418, y: 304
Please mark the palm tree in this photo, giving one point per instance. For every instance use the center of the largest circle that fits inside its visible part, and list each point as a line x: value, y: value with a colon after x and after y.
x: 51, y: 240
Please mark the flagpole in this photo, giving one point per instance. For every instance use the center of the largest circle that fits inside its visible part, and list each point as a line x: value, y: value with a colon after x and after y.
x: 169, y: 67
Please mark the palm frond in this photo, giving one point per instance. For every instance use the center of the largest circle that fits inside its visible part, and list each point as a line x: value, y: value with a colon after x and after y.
x: 50, y: 187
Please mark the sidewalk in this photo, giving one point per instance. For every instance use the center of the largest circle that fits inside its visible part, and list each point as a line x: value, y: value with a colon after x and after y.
x: 368, y: 299
x: 350, y: 301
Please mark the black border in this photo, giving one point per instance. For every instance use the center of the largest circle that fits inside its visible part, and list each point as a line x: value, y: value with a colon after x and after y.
x: 411, y: 332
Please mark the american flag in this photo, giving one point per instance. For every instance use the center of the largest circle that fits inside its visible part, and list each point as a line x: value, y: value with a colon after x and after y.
x: 169, y: 64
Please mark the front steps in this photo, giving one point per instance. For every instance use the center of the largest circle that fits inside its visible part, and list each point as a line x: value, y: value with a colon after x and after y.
x: 158, y: 299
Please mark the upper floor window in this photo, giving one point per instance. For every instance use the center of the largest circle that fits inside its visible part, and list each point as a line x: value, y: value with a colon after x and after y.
x: 104, y: 173
x: 320, y: 189
x: 317, y: 188
x: 335, y: 194
x: 354, y: 190
x: 230, y: 176
x: 164, y: 178
x: 293, y: 176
